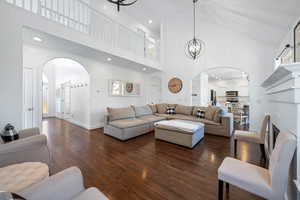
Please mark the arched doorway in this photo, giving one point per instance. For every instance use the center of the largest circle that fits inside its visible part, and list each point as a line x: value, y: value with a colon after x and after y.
x: 66, y: 91
x: 226, y: 87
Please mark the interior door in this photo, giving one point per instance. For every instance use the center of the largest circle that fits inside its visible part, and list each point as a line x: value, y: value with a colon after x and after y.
x: 28, y: 98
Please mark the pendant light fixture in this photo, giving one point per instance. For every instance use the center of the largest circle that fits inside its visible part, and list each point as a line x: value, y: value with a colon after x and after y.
x: 120, y: 3
x: 195, y: 47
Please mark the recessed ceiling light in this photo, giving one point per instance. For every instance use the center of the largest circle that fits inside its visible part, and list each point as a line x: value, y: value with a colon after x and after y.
x: 37, y: 39
x: 144, y: 69
x: 150, y: 21
x: 109, y: 59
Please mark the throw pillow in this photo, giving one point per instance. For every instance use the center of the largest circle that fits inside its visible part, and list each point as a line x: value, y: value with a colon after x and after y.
x: 171, y: 111
x: 210, y: 113
x: 200, y: 114
x: 217, y: 115
x: 196, y: 108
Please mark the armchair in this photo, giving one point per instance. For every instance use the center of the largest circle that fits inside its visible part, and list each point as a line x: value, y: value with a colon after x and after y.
x: 66, y: 185
x: 29, y: 132
x: 31, y: 147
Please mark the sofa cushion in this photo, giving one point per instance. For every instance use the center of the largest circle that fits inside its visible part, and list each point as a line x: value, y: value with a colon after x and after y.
x: 185, y: 110
x: 153, y: 108
x: 127, y: 123
x: 162, y: 108
x: 152, y: 118
x: 142, y: 110
x: 163, y: 115
x: 120, y: 113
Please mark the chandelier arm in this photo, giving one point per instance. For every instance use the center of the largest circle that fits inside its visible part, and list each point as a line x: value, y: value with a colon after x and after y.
x: 114, y: 2
x: 120, y: 3
x: 128, y: 4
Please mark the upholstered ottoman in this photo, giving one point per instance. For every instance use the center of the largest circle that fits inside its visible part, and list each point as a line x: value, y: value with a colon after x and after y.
x: 181, y: 132
x: 17, y: 177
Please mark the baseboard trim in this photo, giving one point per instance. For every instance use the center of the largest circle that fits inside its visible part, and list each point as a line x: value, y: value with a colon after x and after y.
x: 85, y: 126
x: 92, y: 127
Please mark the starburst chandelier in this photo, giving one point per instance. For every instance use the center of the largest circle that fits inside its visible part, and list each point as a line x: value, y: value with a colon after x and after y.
x: 120, y: 3
x: 194, y: 47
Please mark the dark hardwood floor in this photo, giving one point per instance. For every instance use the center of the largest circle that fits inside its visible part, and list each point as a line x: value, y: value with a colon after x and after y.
x: 143, y: 168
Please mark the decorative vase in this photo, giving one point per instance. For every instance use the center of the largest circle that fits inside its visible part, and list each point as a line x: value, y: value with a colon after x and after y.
x: 9, y: 133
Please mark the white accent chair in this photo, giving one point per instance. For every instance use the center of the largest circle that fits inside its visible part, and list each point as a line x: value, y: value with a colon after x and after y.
x: 267, y: 183
x: 66, y: 185
x: 30, y: 147
x: 253, y: 137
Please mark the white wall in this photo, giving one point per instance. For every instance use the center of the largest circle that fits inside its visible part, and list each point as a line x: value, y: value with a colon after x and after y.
x: 11, y: 73
x: 100, y: 74
x: 223, y: 48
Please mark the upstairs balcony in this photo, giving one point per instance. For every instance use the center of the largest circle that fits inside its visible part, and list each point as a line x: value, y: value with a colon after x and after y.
x: 110, y: 36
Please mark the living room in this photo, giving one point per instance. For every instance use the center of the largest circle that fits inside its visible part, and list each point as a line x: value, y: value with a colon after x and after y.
x: 143, y: 123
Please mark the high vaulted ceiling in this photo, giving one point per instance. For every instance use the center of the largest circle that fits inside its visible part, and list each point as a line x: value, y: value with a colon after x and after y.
x: 264, y: 20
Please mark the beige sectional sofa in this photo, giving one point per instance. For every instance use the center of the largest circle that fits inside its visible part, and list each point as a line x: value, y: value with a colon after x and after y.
x: 126, y: 123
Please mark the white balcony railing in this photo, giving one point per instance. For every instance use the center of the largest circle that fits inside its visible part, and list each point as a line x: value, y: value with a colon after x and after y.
x: 80, y: 16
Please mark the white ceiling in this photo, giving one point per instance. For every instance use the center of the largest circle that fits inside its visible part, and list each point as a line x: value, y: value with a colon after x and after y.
x: 264, y: 20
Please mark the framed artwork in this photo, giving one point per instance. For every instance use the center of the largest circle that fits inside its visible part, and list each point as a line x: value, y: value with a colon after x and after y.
x: 175, y: 85
x: 297, y: 43
x: 124, y: 88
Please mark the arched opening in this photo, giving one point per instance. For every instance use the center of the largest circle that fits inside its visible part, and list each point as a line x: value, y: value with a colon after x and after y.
x: 226, y: 87
x: 66, y: 91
